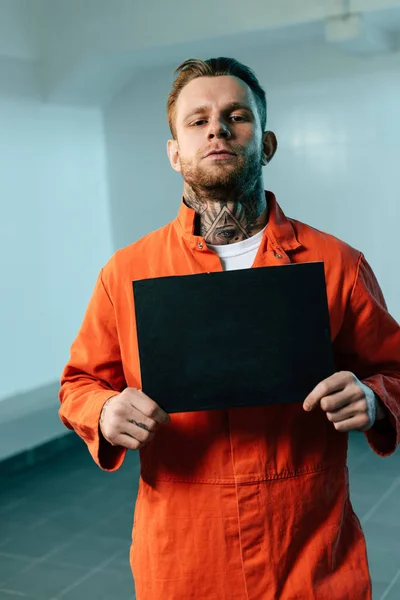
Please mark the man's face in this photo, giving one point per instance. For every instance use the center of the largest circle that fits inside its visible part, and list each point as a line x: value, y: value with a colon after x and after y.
x: 217, y: 125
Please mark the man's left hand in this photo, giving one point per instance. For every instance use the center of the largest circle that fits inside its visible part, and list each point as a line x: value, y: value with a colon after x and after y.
x: 344, y: 399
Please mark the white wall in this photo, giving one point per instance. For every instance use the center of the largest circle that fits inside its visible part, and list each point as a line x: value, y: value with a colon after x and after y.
x: 17, y: 34
x: 54, y: 236
x: 143, y: 192
x: 337, y: 121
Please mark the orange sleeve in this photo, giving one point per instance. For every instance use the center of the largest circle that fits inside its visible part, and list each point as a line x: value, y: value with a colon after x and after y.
x: 93, y: 375
x: 368, y: 345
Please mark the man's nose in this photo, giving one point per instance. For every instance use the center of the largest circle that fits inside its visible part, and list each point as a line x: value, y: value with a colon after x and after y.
x: 219, y: 129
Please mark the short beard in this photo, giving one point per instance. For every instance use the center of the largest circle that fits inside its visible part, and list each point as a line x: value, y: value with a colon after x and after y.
x: 219, y: 183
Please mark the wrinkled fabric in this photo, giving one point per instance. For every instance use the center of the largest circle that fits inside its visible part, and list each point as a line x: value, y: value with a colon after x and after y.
x: 249, y: 503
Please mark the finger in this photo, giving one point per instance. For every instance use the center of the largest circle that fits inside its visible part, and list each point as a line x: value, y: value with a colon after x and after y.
x: 131, y: 442
x: 328, y: 386
x: 137, y: 418
x: 151, y: 409
x: 356, y: 423
x: 339, y: 400
x: 126, y: 441
x: 347, y: 412
x: 142, y: 425
x: 136, y: 430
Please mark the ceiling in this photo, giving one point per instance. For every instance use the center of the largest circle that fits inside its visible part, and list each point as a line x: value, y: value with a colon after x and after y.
x: 83, y: 53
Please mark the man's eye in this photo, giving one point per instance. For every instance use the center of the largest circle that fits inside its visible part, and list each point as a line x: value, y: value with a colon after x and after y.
x: 232, y: 117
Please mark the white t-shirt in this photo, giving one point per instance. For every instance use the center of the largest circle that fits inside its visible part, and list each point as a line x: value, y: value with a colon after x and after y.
x: 239, y: 255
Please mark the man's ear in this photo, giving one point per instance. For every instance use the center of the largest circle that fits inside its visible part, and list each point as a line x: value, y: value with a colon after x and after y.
x: 173, y: 155
x: 270, y: 145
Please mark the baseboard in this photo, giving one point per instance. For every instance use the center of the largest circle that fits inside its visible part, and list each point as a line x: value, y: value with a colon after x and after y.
x: 39, y: 454
x: 29, y: 420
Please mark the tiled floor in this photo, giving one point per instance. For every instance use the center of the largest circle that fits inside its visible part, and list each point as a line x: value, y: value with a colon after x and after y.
x: 65, y: 526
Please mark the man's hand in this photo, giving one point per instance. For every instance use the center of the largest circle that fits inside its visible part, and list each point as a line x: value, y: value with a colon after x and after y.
x: 345, y: 400
x: 131, y: 419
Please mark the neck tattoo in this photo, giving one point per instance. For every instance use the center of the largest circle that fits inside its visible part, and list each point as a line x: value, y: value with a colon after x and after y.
x: 230, y: 221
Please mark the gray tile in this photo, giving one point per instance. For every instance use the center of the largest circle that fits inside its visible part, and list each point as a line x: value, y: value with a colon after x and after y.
x: 378, y: 588
x: 111, y: 502
x: 362, y: 503
x: 357, y: 440
x: 393, y: 593
x: 55, y: 500
x: 122, y: 524
x: 34, y: 510
x: 89, y: 552
x: 9, y: 506
x: 121, y: 563
x: 10, y: 566
x: 11, y: 595
x: 17, y: 534
x: 355, y: 463
x: 9, y: 529
x: 383, y: 536
x: 44, y: 581
x: 385, y: 465
x: 383, y: 564
x: 102, y: 585
x: 104, y: 508
x: 370, y: 485
x: 73, y: 520
x: 90, y: 494
x: 51, y: 492
x: 358, y: 447
x: 23, y: 519
x: 35, y: 543
x: 388, y: 511
x: 119, y: 527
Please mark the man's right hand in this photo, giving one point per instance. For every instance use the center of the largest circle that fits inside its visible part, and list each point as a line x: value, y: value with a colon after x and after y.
x: 131, y: 419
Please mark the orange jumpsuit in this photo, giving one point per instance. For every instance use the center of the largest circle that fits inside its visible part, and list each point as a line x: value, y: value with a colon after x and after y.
x: 243, y: 504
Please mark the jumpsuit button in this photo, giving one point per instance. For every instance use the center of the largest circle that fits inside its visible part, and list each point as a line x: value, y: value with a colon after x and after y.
x: 278, y: 255
x: 200, y: 245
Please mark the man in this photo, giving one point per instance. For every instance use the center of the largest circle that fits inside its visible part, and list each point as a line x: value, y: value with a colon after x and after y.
x: 246, y: 503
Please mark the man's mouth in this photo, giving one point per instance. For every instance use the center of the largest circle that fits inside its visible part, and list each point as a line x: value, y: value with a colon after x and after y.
x: 220, y: 155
